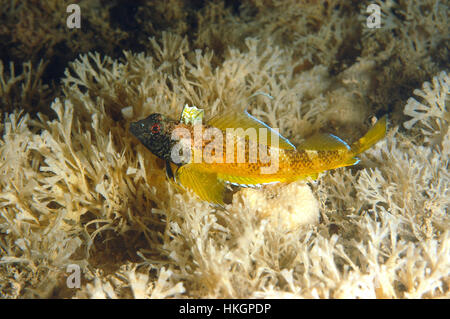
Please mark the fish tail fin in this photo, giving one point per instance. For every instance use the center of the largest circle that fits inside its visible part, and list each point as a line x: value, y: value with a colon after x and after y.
x: 376, y: 133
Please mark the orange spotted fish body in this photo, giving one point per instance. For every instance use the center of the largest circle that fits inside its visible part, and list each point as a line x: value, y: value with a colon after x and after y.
x: 243, y: 151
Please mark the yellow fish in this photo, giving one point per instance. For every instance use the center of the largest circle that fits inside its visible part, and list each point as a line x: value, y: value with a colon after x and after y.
x: 238, y: 149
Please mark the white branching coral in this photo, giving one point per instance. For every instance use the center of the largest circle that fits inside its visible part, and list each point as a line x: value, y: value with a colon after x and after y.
x: 431, y: 112
x: 78, y: 188
x: 25, y: 90
x: 414, y: 186
x: 133, y: 284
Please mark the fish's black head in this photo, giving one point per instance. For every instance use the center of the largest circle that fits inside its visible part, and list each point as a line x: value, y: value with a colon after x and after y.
x: 153, y: 132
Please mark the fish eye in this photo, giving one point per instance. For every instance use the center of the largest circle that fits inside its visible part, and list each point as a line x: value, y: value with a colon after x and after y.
x: 155, y: 128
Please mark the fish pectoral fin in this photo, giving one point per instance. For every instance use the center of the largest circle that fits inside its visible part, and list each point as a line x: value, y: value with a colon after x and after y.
x: 170, y: 169
x: 204, y: 184
x: 244, y: 121
x: 323, y: 142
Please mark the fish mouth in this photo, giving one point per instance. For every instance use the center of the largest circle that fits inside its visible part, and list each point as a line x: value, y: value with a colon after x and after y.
x: 134, y: 129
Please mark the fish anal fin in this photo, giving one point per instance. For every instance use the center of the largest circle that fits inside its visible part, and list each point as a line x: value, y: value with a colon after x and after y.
x: 324, y: 142
x: 204, y: 184
x: 351, y: 161
x: 244, y: 121
x: 313, y: 176
x: 263, y: 180
x: 251, y: 181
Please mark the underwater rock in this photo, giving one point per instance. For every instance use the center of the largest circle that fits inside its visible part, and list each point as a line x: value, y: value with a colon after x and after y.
x: 288, y: 206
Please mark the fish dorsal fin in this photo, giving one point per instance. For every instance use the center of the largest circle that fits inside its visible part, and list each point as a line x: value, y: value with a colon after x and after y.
x: 236, y: 120
x: 191, y: 115
x: 323, y: 142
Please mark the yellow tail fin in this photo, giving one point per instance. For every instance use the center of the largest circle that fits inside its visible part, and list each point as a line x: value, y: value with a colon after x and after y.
x: 376, y: 133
